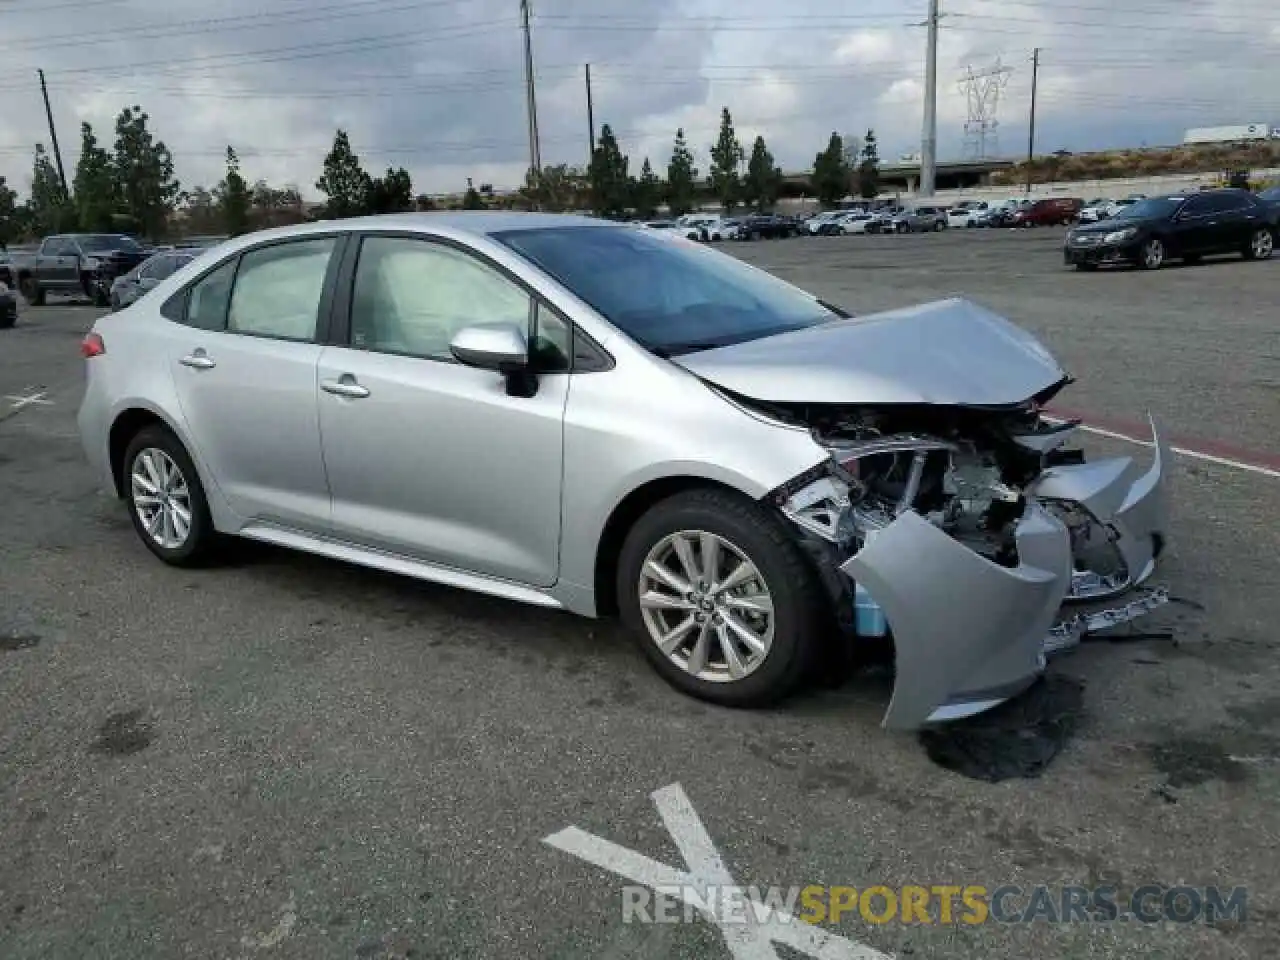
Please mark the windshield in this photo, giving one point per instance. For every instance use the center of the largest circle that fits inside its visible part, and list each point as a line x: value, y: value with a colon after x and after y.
x: 98, y: 242
x: 1154, y: 209
x: 670, y: 296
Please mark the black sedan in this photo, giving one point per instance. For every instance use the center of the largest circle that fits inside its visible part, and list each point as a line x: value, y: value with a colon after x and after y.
x: 768, y: 225
x: 1183, y: 227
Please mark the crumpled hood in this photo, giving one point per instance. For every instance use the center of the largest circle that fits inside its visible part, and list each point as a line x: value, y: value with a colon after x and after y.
x: 950, y: 352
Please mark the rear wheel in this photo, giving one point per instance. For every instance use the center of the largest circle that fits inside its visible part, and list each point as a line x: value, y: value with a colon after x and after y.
x: 722, y: 600
x: 1261, y: 245
x: 166, y: 500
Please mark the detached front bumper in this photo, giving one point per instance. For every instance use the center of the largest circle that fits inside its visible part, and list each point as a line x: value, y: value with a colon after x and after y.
x: 969, y: 634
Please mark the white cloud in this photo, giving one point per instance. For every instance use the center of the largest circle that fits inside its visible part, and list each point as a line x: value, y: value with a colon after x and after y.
x: 435, y: 85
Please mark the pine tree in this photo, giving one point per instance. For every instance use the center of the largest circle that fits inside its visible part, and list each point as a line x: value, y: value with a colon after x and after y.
x: 763, y: 179
x: 830, y: 173
x: 610, y: 185
x: 646, y: 192
x: 344, y: 181
x: 94, y: 185
x: 869, y: 168
x: 233, y: 198
x: 726, y: 161
x: 682, y: 177
x: 145, y: 181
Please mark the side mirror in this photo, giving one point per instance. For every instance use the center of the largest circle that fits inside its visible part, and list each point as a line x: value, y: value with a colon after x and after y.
x: 492, y: 346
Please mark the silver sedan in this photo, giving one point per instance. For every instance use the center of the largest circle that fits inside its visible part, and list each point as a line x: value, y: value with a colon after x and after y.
x: 605, y: 419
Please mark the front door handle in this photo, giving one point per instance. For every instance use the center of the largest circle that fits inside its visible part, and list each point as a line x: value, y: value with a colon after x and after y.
x: 198, y: 360
x: 346, y: 386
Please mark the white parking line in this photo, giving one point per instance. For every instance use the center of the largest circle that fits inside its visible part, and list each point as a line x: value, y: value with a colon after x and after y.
x: 1181, y: 451
x: 753, y: 932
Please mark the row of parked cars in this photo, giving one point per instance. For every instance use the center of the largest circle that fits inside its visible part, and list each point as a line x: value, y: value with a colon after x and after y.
x: 110, y: 269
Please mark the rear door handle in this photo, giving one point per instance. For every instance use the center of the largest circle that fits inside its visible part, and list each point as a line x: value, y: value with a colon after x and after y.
x: 346, y: 386
x: 198, y: 360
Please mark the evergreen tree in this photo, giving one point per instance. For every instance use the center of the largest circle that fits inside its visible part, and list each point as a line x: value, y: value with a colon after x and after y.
x: 344, y: 181
x: 610, y: 185
x: 94, y: 185
x: 831, y: 173
x: 869, y: 168
x: 145, y: 182
x: 646, y: 192
x: 726, y: 161
x: 682, y: 177
x: 233, y: 198
x: 763, y: 180
x: 50, y: 210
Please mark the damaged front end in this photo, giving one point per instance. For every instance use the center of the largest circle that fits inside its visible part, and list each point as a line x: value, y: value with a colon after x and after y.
x: 975, y: 541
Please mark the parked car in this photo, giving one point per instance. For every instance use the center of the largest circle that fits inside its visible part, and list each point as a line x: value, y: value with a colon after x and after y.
x: 1048, y: 212
x: 323, y: 387
x: 814, y: 225
x: 708, y: 227
x: 922, y: 219
x: 967, y: 214
x: 148, y: 274
x: 1115, y: 206
x: 1094, y: 211
x: 855, y: 221
x: 1001, y: 214
x: 8, y: 274
x: 8, y: 306
x: 85, y: 263
x: 769, y: 226
x: 1183, y: 226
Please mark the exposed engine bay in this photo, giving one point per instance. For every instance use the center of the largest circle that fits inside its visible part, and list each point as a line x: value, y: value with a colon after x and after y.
x: 1001, y: 484
x: 965, y: 471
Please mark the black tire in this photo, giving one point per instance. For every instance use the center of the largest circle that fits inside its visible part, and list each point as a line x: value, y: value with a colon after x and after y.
x: 1261, y: 245
x: 32, y: 292
x: 202, y: 541
x: 7, y: 323
x: 798, y: 602
x: 939, y: 226
x: 1151, y: 255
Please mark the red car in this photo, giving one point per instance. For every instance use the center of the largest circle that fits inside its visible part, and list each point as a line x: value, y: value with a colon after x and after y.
x: 1046, y: 213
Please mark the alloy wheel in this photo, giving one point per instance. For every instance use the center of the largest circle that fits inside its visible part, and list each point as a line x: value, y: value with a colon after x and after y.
x: 1153, y: 254
x: 706, y: 606
x: 161, y: 498
x: 1263, y: 245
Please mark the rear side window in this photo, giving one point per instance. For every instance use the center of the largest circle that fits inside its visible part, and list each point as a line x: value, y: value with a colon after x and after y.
x: 208, y: 300
x: 278, y: 289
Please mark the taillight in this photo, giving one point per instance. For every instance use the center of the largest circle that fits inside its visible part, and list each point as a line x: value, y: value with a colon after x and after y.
x: 92, y: 346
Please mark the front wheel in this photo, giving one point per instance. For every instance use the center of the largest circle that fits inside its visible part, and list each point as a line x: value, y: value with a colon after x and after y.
x: 166, y: 500
x: 1151, y: 255
x: 1261, y: 246
x: 32, y: 292
x: 720, y: 597
x: 939, y: 227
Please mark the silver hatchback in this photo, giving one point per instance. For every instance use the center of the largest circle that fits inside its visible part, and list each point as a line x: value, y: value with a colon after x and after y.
x: 606, y: 419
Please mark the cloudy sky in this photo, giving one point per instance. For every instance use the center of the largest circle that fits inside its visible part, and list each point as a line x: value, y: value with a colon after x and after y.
x: 436, y: 85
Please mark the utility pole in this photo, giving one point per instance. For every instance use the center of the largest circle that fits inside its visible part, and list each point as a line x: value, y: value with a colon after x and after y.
x: 591, y: 120
x: 535, y: 159
x: 1031, y: 136
x: 929, y: 145
x: 53, y: 136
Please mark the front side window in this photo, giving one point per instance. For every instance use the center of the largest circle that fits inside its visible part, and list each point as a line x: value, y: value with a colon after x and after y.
x: 413, y: 296
x: 670, y: 296
x: 278, y: 289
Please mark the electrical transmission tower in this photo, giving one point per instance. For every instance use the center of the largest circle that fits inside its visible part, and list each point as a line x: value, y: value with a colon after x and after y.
x: 983, y: 89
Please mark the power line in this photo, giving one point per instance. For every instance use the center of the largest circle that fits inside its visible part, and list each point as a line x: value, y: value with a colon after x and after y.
x: 250, y: 21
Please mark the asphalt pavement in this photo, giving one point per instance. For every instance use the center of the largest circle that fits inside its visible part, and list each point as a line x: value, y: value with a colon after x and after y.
x: 290, y: 757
